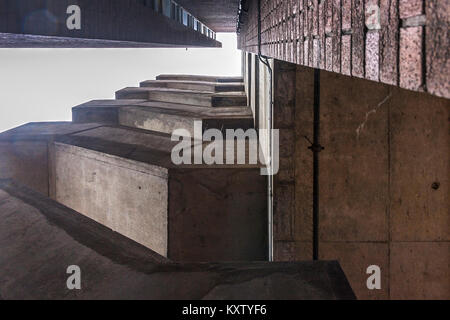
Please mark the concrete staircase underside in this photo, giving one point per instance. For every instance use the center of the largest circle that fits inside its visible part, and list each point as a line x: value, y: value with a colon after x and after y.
x: 41, y: 238
x: 124, y: 178
x: 113, y: 165
x: 161, y: 116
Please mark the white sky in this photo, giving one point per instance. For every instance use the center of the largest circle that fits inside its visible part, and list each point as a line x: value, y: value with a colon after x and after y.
x: 44, y: 84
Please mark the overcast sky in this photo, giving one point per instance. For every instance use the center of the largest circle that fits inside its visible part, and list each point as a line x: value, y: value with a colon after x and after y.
x: 44, y: 84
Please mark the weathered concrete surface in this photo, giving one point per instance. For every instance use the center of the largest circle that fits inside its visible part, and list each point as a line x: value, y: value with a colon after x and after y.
x: 188, y: 77
x: 160, y: 116
x: 383, y: 181
x: 195, y: 201
x: 127, y: 196
x: 220, y: 213
x: 124, y: 178
x: 189, y: 97
x: 194, y: 85
x: 13, y: 40
x: 40, y: 239
x: 101, y: 111
x: 101, y: 20
x: 24, y: 152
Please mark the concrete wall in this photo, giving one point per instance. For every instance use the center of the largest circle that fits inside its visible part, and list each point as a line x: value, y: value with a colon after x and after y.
x: 26, y: 162
x: 217, y: 215
x: 127, y: 196
x: 383, y: 181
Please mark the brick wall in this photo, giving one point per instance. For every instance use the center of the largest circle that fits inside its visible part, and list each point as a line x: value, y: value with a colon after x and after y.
x: 397, y: 42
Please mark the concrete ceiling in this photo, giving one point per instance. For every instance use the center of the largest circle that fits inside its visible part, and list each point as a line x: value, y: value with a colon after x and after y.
x: 219, y: 15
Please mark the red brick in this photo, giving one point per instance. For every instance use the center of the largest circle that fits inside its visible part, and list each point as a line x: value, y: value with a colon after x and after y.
x: 329, y: 53
x: 329, y: 16
x: 411, y: 74
x: 358, y: 38
x: 346, y: 55
x: 410, y: 8
x: 315, y: 17
x: 316, y: 53
x: 346, y: 14
x: 372, y: 56
x: 306, y: 52
x: 389, y: 42
x: 437, y: 44
x: 337, y: 36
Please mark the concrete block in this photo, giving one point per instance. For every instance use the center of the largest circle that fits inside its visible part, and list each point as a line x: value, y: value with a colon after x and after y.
x: 25, y: 162
x: 127, y: 196
x: 220, y: 213
x: 153, y: 120
x: 185, y: 77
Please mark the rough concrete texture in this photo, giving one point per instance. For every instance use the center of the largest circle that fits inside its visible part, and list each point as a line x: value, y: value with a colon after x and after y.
x: 220, y: 213
x: 124, y: 178
x: 189, y: 97
x: 188, y: 77
x: 383, y: 181
x: 40, y: 239
x: 127, y: 196
x: 104, y: 23
x: 194, y: 85
x: 162, y: 116
x: 24, y: 152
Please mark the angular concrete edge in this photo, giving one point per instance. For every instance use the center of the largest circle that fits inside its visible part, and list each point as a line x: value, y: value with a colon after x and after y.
x: 41, y: 238
x: 189, y: 77
x: 85, y: 230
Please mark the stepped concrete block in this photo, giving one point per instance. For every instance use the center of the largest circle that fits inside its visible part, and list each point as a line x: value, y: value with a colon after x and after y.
x: 183, y: 77
x: 127, y: 196
x: 194, y: 85
x: 100, y: 111
x: 125, y: 178
x: 115, y: 267
x: 156, y: 121
x: 132, y: 93
x: 161, y: 117
x: 24, y: 152
x: 197, y: 198
x: 189, y: 97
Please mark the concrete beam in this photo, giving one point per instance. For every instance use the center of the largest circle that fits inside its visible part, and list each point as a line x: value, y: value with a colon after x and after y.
x: 103, y: 24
